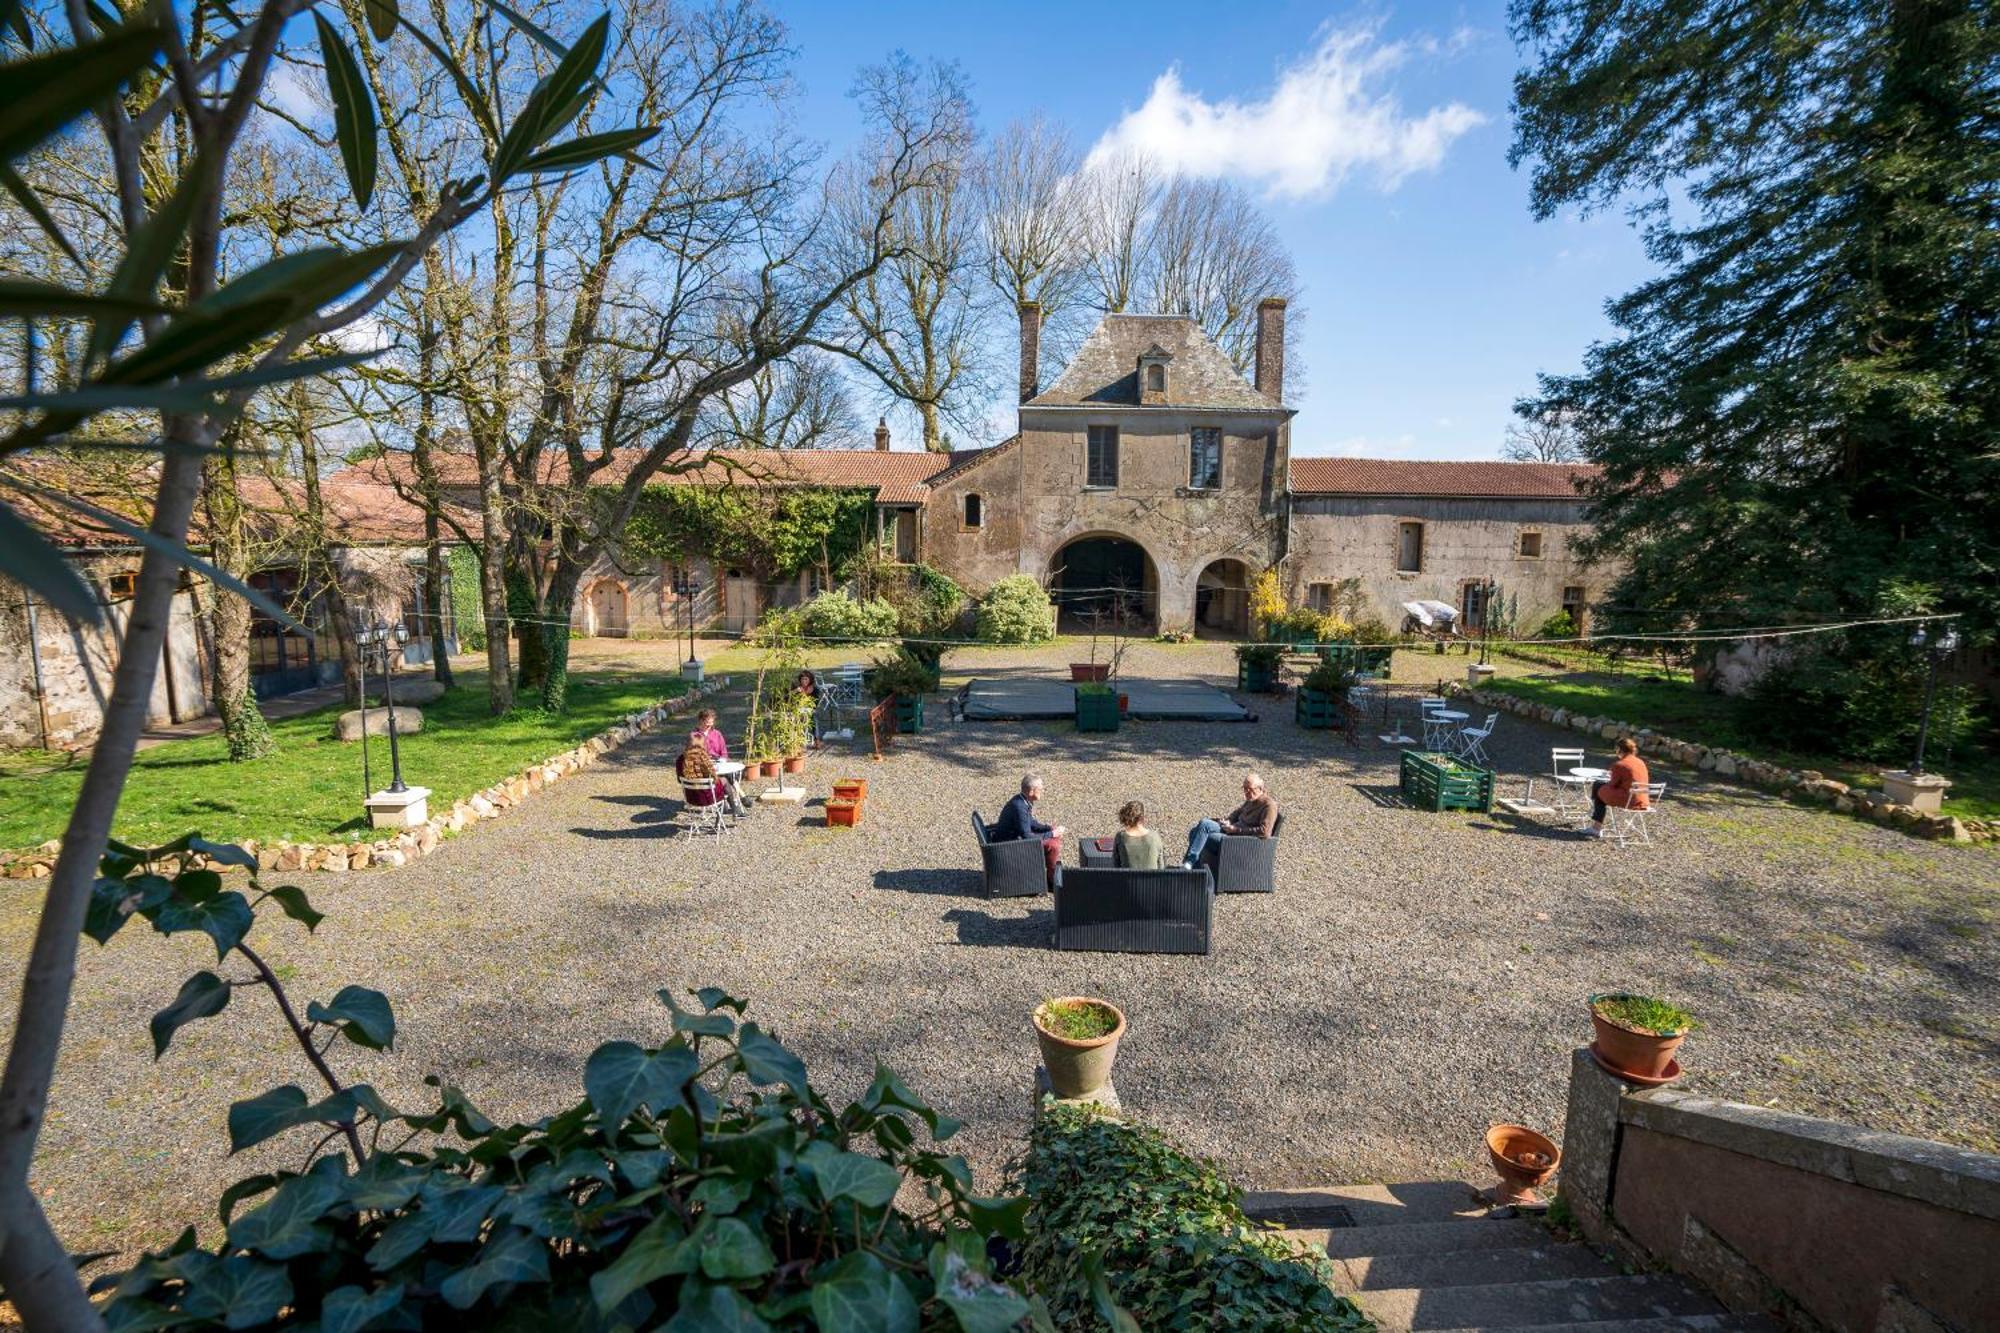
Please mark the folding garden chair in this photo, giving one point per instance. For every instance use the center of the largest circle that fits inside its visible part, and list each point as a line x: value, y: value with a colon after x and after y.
x: 703, y: 810
x: 1471, y: 742
x: 1572, y: 792
x: 1623, y: 825
x: 1437, y: 731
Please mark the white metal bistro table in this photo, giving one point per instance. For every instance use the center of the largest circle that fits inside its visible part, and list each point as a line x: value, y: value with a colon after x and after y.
x: 728, y: 768
x: 1448, y: 721
x: 1588, y: 774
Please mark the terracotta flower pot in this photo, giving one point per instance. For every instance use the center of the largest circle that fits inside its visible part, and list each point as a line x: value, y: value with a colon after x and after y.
x: 1078, y: 1068
x: 795, y: 763
x: 1088, y: 671
x: 1624, y: 1050
x: 850, y: 789
x: 843, y: 814
x: 767, y: 768
x: 1124, y: 703
x: 1524, y: 1160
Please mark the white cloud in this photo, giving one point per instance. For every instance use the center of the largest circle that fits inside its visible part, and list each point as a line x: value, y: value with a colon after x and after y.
x: 1325, y: 119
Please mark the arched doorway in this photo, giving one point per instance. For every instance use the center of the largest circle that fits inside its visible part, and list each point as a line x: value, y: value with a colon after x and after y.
x: 1104, y: 583
x: 607, y: 609
x: 1222, y: 598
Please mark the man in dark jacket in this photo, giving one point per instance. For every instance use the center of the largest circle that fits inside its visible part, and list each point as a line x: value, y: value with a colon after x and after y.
x: 1257, y: 817
x: 1017, y: 820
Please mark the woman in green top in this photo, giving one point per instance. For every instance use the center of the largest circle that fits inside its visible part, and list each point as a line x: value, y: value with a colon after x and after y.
x: 1137, y: 847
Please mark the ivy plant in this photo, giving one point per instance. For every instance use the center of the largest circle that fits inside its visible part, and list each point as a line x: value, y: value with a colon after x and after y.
x: 700, y: 1183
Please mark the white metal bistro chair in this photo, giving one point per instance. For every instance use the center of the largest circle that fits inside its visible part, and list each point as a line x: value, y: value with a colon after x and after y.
x: 1623, y: 824
x: 1471, y: 741
x: 1572, y: 790
x: 696, y: 818
x: 1437, y: 731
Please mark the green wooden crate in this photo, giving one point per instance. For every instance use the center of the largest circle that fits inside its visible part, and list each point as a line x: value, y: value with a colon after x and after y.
x: 1096, y: 712
x: 909, y: 713
x: 1317, y: 711
x: 1256, y: 677
x: 1437, y: 782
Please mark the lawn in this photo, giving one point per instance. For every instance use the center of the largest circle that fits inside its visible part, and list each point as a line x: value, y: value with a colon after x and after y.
x: 311, y: 788
x: 1677, y: 709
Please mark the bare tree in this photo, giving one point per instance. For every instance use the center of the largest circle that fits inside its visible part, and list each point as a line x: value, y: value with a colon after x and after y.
x: 1117, y: 197
x: 1031, y: 199
x: 1541, y: 435
x: 1212, y: 254
x: 801, y: 402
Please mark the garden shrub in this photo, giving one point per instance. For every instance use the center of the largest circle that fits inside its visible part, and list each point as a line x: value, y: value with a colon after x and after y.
x: 904, y: 673
x: 701, y: 1182
x: 1557, y: 626
x: 1119, y: 1215
x: 1016, y: 610
x: 1865, y: 708
x: 835, y: 615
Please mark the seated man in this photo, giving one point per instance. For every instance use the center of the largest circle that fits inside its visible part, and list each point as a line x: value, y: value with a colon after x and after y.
x: 1255, y: 818
x: 1017, y: 820
x: 1626, y: 788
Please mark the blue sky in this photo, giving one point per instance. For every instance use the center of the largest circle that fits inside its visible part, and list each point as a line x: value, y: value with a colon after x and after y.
x: 1377, y: 139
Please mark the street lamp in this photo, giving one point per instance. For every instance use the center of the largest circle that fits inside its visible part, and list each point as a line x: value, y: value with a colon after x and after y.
x: 398, y: 805
x: 1939, y: 648
x: 689, y: 588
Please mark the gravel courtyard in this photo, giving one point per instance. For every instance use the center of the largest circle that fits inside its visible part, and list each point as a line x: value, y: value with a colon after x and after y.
x: 1415, y: 978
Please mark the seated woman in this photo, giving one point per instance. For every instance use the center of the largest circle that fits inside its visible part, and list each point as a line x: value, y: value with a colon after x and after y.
x: 1626, y: 788
x: 696, y: 770
x: 710, y: 737
x: 808, y: 688
x: 1136, y: 847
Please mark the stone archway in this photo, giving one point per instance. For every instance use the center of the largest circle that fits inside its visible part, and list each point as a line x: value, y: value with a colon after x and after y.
x: 1098, y: 578
x: 609, y: 609
x: 1222, y: 598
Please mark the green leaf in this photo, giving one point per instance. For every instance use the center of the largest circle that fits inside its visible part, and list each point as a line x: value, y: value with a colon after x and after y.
x: 247, y: 1188
x: 148, y: 251
x: 705, y: 1025
x: 868, y: 1181
x: 662, y: 1249
x: 857, y: 1294
x: 586, y: 149
x: 225, y: 918
x: 227, y: 853
x: 202, y: 995
x: 353, y: 110
x: 515, y: 1257
x: 981, y: 1304
x: 287, y: 1225
x: 620, y: 1076
x: 766, y: 1060
x: 350, y: 1309
x: 28, y: 559
x: 554, y: 102
x: 383, y: 1184
x: 240, y: 1291
x: 402, y: 1238
x: 24, y: 297
x: 364, y: 1016
x: 999, y: 1216
x: 710, y: 1309
x: 47, y: 92
x: 307, y: 279
x: 730, y: 1250
x: 115, y: 901
x: 292, y: 899
x: 382, y: 16
x: 1108, y: 1308
x: 255, y: 1119
x: 189, y: 394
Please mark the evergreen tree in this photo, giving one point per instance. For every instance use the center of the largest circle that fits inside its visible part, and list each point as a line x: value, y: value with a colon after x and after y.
x: 1801, y: 415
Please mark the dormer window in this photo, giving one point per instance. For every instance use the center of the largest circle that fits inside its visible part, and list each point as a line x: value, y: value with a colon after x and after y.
x: 1154, y: 364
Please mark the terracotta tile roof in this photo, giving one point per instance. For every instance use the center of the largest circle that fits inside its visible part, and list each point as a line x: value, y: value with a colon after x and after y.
x: 1470, y: 480
x: 898, y: 476
x: 1106, y: 368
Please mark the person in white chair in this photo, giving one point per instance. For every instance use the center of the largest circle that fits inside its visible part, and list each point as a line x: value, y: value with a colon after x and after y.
x: 1625, y: 788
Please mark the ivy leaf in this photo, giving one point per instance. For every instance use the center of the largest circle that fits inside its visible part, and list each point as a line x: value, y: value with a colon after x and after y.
x: 731, y: 1250
x: 241, y: 1291
x: 401, y: 1239
x: 364, y: 1016
x: 293, y: 901
x: 705, y: 1025
x: 255, y: 1119
x: 714, y: 997
x: 353, y: 110
x: 719, y: 1196
x: 203, y: 995
x: 287, y: 1224
x: 226, y: 852
x: 1108, y: 1309
x: 225, y: 918
x: 711, y: 1309
x: 115, y: 901
x: 350, y: 1309
x: 382, y: 1184
x: 459, y: 1209
x: 981, y: 1304
x: 766, y: 1060
x: 889, y: 1090
x: 620, y: 1076
x: 663, y: 1249
x: 857, y: 1294
x: 515, y: 1257
x: 999, y: 1216
x: 248, y: 1187
x: 868, y: 1181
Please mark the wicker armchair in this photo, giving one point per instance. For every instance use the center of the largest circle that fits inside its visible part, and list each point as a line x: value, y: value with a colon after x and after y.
x: 1134, y: 911
x: 1243, y: 864
x: 1016, y: 869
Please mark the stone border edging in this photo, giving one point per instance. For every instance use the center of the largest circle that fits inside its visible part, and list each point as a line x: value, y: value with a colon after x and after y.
x: 407, y: 846
x: 1798, y: 784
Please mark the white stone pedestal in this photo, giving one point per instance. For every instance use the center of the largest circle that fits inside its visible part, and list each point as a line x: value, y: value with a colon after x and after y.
x: 1045, y: 1095
x: 408, y: 808
x: 1477, y: 675
x: 691, y: 671
x: 1919, y: 791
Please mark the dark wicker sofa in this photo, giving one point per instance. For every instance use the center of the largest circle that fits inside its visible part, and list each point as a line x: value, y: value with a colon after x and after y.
x: 1133, y: 911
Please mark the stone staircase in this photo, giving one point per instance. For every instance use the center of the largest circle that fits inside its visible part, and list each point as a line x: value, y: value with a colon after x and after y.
x: 1431, y: 1255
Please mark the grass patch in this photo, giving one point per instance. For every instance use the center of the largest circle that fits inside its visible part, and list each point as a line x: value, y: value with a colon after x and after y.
x: 1077, y: 1020
x: 1678, y: 709
x: 311, y: 789
x: 1642, y: 1013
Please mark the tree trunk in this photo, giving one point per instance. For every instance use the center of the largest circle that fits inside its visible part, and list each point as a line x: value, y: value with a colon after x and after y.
x: 435, y: 574
x: 521, y: 599
x: 492, y: 580
x: 555, y: 616
x: 933, y: 429
x: 436, y: 580
x: 248, y: 735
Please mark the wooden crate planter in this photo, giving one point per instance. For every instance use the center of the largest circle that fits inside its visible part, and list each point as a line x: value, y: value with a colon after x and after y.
x: 1256, y: 677
x: 1096, y: 711
x: 843, y: 814
x: 1438, y: 782
x: 1318, y: 711
x: 910, y: 713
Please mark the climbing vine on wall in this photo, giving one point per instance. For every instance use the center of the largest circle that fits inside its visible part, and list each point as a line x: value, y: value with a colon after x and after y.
x: 777, y: 534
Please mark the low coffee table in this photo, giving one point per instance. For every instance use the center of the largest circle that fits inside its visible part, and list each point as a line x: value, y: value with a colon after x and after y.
x: 1091, y: 856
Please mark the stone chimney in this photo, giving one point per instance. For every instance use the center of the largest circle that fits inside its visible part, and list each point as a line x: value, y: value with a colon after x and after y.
x: 1271, y: 348
x: 1031, y: 349
x: 882, y: 434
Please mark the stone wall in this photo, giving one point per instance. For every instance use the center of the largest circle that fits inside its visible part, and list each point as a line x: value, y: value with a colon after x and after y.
x: 1334, y: 538
x: 977, y: 557
x: 1817, y: 1224
x: 653, y: 610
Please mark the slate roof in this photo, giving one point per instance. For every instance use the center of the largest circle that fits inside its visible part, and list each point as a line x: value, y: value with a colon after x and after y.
x: 1105, y: 369
x: 1467, y: 480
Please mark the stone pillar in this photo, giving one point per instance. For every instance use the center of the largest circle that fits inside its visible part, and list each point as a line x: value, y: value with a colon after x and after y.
x: 1271, y: 348
x: 1590, y: 1143
x: 1031, y: 349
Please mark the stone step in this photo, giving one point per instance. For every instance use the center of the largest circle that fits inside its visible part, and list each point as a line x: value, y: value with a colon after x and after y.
x: 1470, y: 1268
x: 1369, y: 1205
x: 1585, y: 1300
x: 1430, y: 1237
x: 1687, y: 1323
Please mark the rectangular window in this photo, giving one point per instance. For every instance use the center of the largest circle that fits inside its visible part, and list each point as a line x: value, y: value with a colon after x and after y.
x: 1577, y: 606
x: 1205, y: 458
x: 1531, y: 546
x: 1472, y: 606
x: 124, y: 587
x: 1101, y: 457
x: 1410, y: 548
x: 1319, y: 596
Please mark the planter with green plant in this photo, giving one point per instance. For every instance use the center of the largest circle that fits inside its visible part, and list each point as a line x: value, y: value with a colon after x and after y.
x: 907, y: 679
x: 1257, y: 666
x: 1096, y: 708
x: 1437, y: 782
x: 1322, y: 698
x: 1637, y: 1036
x: 1078, y: 1037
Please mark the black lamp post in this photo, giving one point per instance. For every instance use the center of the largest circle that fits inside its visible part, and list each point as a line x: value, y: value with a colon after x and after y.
x: 689, y: 590
x: 381, y: 635
x: 1943, y: 646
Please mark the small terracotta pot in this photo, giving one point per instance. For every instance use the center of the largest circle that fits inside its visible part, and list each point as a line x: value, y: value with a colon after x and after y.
x: 1124, y: 702
x: 1626, y: 1050
x: 850, y: 789
x: 767, y: 768
x: 1085, y: 671
x: 843, y: 814
x: 795, y: 763
x: 1524, y: 1160
x: 1078, y: 1068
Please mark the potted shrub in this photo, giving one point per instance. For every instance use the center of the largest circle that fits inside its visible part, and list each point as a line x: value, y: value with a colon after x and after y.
x: 1257, y: 666
x: 908, y: 679
x: 1079, y: 1040
x: 1637, y: 1036
x: 850, y: 789
x: 1323, y: 693
x: 843, y: 814
x: 1096, y: 708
